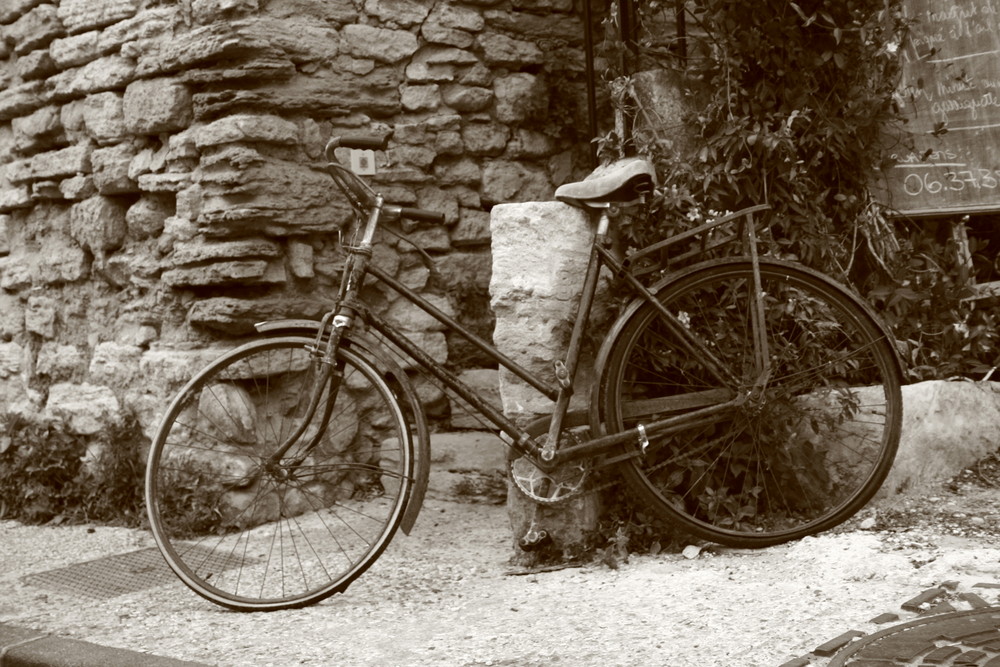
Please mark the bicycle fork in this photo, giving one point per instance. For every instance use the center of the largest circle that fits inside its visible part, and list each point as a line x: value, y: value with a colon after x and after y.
x: 329, y: 374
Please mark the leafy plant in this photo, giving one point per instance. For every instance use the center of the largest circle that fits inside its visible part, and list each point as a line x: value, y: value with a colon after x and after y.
x: 49, y: 474
x: 788, y: 102
x: 926, y: 300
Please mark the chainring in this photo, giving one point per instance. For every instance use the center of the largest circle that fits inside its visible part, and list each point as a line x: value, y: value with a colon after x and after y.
x: 549, y: 488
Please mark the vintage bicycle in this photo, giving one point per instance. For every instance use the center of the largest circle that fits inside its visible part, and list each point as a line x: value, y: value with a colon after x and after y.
x: 747, y: 399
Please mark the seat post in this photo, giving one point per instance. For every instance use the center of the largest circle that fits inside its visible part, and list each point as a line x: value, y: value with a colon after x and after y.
x: 603, y: 221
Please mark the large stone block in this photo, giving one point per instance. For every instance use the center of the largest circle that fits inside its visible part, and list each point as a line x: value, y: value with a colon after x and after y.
x: 329, y: 92
x: 114, y: 364
x: 145, y: 25
x: 244, y: 189
x: 380, y: 44
x: 41, y: 315
x: 947, y: 427
x: 452, y: 25
x: 35, y: 65
x: 509, y: 181
x: 77, y: 188
x: 409, y: 317
x: 467, y: 98
x: 467, y: 467
x: 198, y: 251
x: 11, y: 360
x: 108, y: 73
x: 86, y: 409
x: 165, y: 369
x: 14, y: 197
x: 433, y: 64
x: 38, y: 130
x: 401, y: 13
x: 220, y: 41
x: 473, y: 229
x: 76, y: 50
x: 62, y: 262
x: 104, y: 117
x: 234, y: 272
x: 238, y: 316
x: 110, y: 169
x: 540, y: 254
x: 60, y: 363
x: 145, y: 218
x: 10, y: 10
x: 22, y: 99
x: 156, y: 105
x: 247, y: 128
x: 98, y: 224
x: 34, y: 30
x: 64, y: 162
x: 503, y: 51
x: 81, y: 15
x: 520, y: 97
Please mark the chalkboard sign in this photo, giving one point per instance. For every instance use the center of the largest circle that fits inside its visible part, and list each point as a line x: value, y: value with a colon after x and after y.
x: 947, y: 156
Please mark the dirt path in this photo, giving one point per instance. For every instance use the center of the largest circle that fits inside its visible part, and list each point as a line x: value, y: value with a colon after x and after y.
x: 447, y: 595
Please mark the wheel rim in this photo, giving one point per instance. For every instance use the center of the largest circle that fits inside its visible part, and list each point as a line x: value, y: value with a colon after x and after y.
x: 252, y: 533
x: 801, y: 457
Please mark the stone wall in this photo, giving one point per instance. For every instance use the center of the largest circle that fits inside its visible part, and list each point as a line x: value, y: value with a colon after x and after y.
x: 160, y: 183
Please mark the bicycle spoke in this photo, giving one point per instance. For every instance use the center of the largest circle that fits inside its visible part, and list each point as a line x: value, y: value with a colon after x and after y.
x: 803, y: 450
x: 248, y: 530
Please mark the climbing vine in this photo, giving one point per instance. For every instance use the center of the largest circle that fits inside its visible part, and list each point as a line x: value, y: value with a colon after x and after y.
x: 787, y: 103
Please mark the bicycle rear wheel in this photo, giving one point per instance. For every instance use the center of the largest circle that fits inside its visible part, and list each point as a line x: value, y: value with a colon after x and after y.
x: 803, y: 455
x: 255, y: 533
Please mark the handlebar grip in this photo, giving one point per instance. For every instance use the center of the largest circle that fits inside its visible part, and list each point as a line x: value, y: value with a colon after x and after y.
x: 364, y: 141
x: 421, y: 215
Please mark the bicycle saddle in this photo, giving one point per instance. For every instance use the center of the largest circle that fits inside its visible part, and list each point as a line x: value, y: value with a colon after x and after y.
x: 621, y: 181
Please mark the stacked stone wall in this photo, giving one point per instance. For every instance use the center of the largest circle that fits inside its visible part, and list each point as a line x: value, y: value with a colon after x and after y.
x: 161, y: 187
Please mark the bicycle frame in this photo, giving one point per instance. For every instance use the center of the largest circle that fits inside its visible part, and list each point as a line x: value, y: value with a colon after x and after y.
x: 700, y: 408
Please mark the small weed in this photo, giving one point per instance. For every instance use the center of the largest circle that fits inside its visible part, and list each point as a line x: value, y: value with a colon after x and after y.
x: 48, y: 474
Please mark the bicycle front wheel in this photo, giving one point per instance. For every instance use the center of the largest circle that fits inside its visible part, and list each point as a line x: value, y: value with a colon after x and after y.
x: 810, y: 445
x: 255, y: 529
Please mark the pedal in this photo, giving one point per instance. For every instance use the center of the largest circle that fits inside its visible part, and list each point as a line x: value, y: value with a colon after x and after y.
x: 533, y: 539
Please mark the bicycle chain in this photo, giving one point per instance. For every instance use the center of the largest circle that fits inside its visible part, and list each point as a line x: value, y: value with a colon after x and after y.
x: 606, y: 485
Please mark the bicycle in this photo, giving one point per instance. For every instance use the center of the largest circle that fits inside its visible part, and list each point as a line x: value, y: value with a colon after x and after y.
x: 746, y: 399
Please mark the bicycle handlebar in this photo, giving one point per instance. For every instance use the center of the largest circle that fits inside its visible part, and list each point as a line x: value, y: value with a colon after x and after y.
x: 420, y: 214
x: 362, y: 141
x: 375, y: 142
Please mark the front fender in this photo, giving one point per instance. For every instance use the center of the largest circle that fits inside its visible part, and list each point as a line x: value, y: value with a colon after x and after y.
x: 393, y: 372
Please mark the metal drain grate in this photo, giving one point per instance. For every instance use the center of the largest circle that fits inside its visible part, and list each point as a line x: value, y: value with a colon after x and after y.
x: 111, y: 576
x: 107, y: 577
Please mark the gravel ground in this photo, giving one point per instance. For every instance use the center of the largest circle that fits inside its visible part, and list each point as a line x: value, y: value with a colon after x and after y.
x: 448, y: 595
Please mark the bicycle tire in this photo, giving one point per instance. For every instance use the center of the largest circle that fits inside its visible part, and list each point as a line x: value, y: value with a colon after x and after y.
x: 256, y: 535
x: 808, y: 454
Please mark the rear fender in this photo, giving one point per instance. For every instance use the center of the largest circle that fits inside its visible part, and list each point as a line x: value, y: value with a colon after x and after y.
x: 393, y: 372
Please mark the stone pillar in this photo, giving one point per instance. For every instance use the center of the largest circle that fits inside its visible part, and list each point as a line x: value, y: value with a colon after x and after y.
x: 540, y: 253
